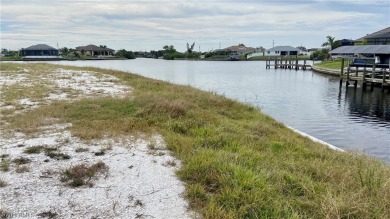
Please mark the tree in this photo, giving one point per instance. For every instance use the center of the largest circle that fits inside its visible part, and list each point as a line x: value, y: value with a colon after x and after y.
x: 190, y: 49
x: 262, y: 49
x: 64, y: 51
x: 302, y: 48
x: 103, y: 46
x: 125, y: 54
x: 169, y: 49
x: 322, y: 54
x: 82, y: 53
x: 329, y: 43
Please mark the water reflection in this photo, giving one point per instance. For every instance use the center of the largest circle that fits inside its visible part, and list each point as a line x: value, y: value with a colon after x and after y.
x: 369, y: 105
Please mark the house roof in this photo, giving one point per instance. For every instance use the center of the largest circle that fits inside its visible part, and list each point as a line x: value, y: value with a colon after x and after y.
x: 239, y: 48
x: 40, y: 47
x: 371, y: 49
x: 382, y: 35
x: 374, y: 35
x: 283, y: 48
x: 93, y: 48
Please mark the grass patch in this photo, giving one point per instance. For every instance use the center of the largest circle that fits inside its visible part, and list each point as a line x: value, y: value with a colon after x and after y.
x: 2, y: 183
x: 336, y: 64
x: 236, y: 162
x: 22, y: 169
x: 58, y: 156
x: 82, y: 174
x: 21, y: 161
x: 79, y: 150
x: 19, y: 91
x: 47, y: 214
x: 5, y: 164
x: 33, y: 150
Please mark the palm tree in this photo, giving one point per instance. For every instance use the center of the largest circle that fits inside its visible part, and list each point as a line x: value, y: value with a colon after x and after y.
x: 330, y: 42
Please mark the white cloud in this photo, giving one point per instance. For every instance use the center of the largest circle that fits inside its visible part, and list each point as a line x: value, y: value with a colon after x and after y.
x: 138, y: 25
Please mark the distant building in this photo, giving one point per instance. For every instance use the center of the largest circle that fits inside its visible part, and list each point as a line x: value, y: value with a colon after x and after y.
x: 238, y: 50
x: 93, y: 50
x: 347, y: 42
x: 282, y: 51
x: 40, y: 51
x: 381, y: 37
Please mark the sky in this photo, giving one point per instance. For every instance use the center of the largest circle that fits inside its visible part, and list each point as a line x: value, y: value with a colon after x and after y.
x: 212, y: 24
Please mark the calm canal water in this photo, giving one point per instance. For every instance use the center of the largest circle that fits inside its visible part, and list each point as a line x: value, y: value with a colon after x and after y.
x: 310, y: 102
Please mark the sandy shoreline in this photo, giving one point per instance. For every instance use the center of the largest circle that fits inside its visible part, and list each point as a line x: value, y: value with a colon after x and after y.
x: 140, y: 181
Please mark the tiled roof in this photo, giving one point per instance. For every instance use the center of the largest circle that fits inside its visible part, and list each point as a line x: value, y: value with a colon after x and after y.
x: 239, y: 48
x: 40, y: 47
x: 93, y: 48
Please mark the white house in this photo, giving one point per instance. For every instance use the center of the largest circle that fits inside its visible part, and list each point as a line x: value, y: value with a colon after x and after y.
x: 282, y: 51
x: 279, y: 51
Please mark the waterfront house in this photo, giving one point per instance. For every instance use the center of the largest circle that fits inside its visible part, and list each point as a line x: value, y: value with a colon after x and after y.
x: 381, y: 37
x: 240, y: 50
x: 92, y: 50
x: 282, y: 51
x: 40, y: 51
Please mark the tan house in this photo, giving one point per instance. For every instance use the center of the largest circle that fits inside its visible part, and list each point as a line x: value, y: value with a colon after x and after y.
x: 93, y: 50
x: 240, y: 50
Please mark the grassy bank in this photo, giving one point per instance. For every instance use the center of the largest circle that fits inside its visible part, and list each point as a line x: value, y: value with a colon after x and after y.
x: 236, y: 161
x: 336, y: 64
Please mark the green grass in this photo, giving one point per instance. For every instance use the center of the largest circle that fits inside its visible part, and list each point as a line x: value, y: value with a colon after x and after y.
x: 236, y: 161
x: 331, y: 64
x: 4, y: 166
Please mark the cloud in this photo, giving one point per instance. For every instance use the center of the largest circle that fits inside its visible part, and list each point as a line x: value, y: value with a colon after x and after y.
x: 140, y: 24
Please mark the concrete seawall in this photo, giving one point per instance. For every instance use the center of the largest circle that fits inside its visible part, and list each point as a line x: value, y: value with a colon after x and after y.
x: 315, y: 139
x: 325, y: 70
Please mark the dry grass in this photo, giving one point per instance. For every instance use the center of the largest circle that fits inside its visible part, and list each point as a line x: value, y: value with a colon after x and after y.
x: 236, y: 161
x: 82, y: 174
x: 21, y: 161
x: 22, y: 169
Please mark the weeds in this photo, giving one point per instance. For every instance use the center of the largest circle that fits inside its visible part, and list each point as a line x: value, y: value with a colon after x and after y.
x: 21, y: 160
x: 22, y: 169
x: 52, y: 153
x: 2, y: 183
x: 33, y: 150
x: 5, y: 165
x: 171, y: 163
x: 79, y: 150
x: 82, y: 174
x: 47, y: 214
x: 57, y: 156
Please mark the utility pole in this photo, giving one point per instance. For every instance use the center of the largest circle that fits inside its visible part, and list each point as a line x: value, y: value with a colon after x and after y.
x: 273, y: 43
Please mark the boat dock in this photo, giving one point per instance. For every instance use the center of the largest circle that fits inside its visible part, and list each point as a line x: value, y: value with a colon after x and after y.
x: 287, y: 63
x: 371, y: 66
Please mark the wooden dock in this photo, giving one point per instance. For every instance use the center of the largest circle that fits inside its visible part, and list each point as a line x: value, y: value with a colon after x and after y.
x: 357, y: 75
x: 287, y: 63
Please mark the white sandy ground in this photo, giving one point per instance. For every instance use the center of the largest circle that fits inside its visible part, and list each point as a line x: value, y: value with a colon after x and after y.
x: 140, y: 182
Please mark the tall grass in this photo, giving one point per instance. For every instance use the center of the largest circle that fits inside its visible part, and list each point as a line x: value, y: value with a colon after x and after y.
x: 236, y: 161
